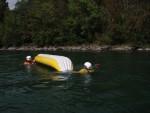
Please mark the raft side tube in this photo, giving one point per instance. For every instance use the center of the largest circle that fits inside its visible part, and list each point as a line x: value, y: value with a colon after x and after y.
x: 60, y: 63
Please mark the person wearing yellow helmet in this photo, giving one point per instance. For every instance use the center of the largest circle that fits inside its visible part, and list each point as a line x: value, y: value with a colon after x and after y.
x: 87, y: 68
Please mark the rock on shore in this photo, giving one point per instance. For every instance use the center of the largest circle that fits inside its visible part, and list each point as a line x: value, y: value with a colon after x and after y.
x: 77, y: 48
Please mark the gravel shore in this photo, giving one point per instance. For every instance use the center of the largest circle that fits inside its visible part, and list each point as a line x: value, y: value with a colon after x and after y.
x: 78, y: 48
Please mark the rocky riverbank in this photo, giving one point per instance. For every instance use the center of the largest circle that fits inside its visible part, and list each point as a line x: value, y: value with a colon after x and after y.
x: 79, y: 48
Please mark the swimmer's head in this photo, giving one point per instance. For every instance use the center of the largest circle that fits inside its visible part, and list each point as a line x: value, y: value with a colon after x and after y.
x: 88, y: 65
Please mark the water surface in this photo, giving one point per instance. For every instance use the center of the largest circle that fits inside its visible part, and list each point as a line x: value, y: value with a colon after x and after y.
x: 120, y: 85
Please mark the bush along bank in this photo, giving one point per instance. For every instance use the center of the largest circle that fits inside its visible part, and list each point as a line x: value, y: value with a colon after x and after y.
x: 75, y: 22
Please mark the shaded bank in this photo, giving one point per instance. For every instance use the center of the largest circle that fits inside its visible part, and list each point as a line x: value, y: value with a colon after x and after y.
x: 75, y: 22
x: 80, y: 48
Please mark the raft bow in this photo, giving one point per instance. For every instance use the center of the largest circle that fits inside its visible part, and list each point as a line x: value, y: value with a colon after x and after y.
x: 60, y: 63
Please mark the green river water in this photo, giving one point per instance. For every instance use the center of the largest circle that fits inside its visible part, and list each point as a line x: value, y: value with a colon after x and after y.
x: 120, y: 85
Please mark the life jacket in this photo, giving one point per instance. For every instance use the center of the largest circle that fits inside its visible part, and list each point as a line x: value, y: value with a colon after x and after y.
x: 85, y: 71
x: 28, y: 63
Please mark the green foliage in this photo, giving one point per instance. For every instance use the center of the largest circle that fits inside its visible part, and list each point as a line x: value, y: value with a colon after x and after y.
x: 42, y: 23
x: 105, y: 39
x: 3, y: 9
x: 75, y: 22
x: 11, y: 31
x: 83, y: 21
x: 126, y: 22
x: 43, y: 38
x: 1, y: 35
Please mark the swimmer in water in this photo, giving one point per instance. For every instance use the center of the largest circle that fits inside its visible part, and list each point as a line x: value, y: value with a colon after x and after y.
x: 29, y: 61
x: 87, y: 68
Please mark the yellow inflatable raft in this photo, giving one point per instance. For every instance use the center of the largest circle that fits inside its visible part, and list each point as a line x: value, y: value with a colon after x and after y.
x: 60, y: 63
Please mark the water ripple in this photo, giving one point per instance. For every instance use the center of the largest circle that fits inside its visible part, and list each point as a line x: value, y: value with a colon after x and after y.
x: 121, y: 84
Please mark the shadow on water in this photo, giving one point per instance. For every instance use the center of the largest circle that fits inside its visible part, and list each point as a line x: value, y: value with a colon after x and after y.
x: 40, y: 74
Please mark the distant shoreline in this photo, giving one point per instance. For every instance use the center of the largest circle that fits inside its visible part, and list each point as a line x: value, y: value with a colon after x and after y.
x: 78, y: 48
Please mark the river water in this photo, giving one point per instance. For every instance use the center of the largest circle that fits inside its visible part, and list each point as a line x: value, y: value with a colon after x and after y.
x: 120, y: 85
